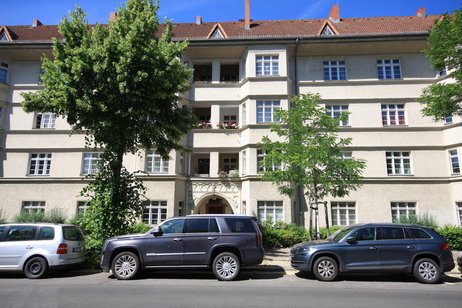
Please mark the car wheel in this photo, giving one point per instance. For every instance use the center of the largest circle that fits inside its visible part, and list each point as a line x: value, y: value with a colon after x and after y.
x: 325, y: 269
x: 125, y: 265
x: 427, y: 271
x: 35, y: 267
x: 226, y: 266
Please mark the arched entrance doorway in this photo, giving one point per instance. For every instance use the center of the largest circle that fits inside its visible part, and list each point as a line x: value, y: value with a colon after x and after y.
x: 213, y: 204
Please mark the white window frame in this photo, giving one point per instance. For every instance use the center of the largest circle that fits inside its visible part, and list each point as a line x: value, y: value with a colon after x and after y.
x: 393, y: 114
x: 155, y: 163
x: 45, y: 120
x: 261, y: 169
x: 267, y: 65
x: 459, y: 212
x: 31, y: 207
x: 398, y: 163
x: 267, y: 110
x: 270, y: 209
x: 82, y: 207
x: 334, y: 111
x: 90, y: 162
x: 244, y: 114
x: 348, y: 208
x: 39, y: 164
x: 230, y: 163
x: 454, y: 161
x: 4, y: 72
x: 244, y: 163
x: 398, y: 209
x: 334, y: 70
x: 154, y: 208
x: 389, y: 69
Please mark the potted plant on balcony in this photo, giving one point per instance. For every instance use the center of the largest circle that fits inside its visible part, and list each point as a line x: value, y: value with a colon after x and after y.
x: 204, y: 124
x: 228, y: 125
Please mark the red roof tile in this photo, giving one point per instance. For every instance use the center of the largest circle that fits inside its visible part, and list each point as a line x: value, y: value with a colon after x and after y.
x: 268, y: 28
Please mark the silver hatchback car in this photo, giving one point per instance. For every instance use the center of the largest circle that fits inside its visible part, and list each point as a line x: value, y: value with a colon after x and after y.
x: 34, y: 248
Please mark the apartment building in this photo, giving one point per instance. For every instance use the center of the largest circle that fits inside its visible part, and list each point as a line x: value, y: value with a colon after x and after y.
x: 372, y: 68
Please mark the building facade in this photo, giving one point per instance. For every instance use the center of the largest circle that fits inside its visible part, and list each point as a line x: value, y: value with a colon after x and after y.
x: 372, y: 68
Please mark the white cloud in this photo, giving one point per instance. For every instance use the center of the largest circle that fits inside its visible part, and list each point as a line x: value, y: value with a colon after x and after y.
x: 316, y: 9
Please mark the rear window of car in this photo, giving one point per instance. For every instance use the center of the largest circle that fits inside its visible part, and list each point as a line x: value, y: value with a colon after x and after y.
x: 419, y: 233
x: 72, y: 233
x: 240, y: 225
x: 390, y: 233
x: 21, y: 233
x: 201, y: 225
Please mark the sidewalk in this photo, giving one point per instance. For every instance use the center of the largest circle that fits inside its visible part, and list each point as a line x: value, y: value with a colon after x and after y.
x: 279, y: 260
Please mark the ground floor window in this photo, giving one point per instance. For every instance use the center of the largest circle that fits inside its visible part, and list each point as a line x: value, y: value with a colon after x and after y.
x: 270, y: 211
x: 402, y: 210
x: 154, y: 212
x: 343, y: 213
x: 459, y: 212
x: 32, y: 207
x: 82, y: 207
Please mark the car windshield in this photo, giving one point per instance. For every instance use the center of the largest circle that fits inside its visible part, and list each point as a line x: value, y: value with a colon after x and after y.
x: 338, y: 235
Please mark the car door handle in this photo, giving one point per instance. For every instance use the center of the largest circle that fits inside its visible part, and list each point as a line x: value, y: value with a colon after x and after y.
x: 177, y: 239
x: 372, y: 248
x: 410, y: 247
x: 212, y: 238
x: 29, y: 247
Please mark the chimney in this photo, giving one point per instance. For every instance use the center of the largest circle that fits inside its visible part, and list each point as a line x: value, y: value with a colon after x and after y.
x: 198, y: 20
x: 112, y: 15
x: 36, y: 23
x: 421, y: 12
x: 334, y: 14
x: 247, y: 15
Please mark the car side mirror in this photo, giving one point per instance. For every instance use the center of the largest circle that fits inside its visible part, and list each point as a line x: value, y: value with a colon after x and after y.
x: 156, y: 231
x: 351, y: 240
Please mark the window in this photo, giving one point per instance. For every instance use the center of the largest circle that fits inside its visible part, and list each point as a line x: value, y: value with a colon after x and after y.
x: 398, y: 163
x: 154, y: 212
x: 82, y: 207
x: 390, y: 233
x: 266, y: 111
x: 229, y: 164
x: 267, y: 65
x: 388, y: 69
x: 3, y: 37
x: 31, y: 207
x: 3, y: 72
x: 229, y: 72
x: 404, y: 210
x: 334, y: 70
x: 240, y: 225
x: 244, y: 162
x: 155, y: 163
x: 419, y: 233
x: 172, y: 226
x: 45, y: 120
x: 40, y: 164
x: 244, y: 115
x: 393, y: 114
x: 21, y: 233
x: 343, y: 213
x: 46, y: 233
x: 90, y: 163
x: 183, y: 163
x: 261, y: 169
x: 364, y: 234
x: 201, y: 225
x: 454, y: 159
x: 203, y: 166
x: 459, y: 211
x: 202, y: 72
x: 334, y: 111
x: 270, y: 211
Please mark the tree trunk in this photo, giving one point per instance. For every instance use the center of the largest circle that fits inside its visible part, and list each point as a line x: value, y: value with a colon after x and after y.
x: 310, y: 226
x: 116, y: 169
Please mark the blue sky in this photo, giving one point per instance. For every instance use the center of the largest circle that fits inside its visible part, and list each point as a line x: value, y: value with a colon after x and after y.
x: 50, y: 12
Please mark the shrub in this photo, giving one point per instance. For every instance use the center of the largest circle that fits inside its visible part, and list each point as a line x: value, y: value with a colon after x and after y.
x: 2, y: 217
x: 54, y: 216
x: 424, y: 219
x: 453, y: 234
x: 140, y: 228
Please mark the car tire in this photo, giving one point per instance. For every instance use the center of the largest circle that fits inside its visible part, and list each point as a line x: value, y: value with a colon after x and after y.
x: 427, y: 271
x: 226, y: 266
x: 125, y: 265
x: 35, y: 267
x: 325, y: 269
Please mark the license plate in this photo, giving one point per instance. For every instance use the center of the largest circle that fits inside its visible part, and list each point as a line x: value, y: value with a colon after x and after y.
x: 77, y: 249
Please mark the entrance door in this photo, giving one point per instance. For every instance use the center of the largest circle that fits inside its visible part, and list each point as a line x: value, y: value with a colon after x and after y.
x: 215, y: 209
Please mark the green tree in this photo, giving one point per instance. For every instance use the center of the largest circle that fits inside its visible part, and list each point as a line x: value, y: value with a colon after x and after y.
x: 308, y: 153
x: 444, y: 99
x: 118, y: 84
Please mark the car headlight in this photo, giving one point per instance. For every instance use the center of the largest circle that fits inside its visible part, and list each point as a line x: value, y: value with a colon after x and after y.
x: 305, y: 249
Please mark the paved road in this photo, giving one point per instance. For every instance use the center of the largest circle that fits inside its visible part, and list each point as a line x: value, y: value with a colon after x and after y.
x: 200, y: 289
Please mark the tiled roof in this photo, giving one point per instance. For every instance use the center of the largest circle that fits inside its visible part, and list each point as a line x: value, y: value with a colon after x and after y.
x: 267, y: 28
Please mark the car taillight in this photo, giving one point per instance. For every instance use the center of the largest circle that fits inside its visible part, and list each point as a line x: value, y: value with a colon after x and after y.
x: 258, y: 236
x: 62, y: 249
x: 444, y: 246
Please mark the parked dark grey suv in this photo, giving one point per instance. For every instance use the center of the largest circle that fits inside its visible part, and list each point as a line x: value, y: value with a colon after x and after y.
x: 221, y: 242
x: 377, y: 248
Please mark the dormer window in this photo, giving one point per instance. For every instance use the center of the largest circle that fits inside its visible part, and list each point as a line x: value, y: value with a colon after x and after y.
x: 217, y: 34
x: 327, y: 31
x: 3, y: 37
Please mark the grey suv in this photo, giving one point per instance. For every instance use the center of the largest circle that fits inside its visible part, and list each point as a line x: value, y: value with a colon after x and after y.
x: 376, y: 248
x: 221, y: 242
x: 36, y: 247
